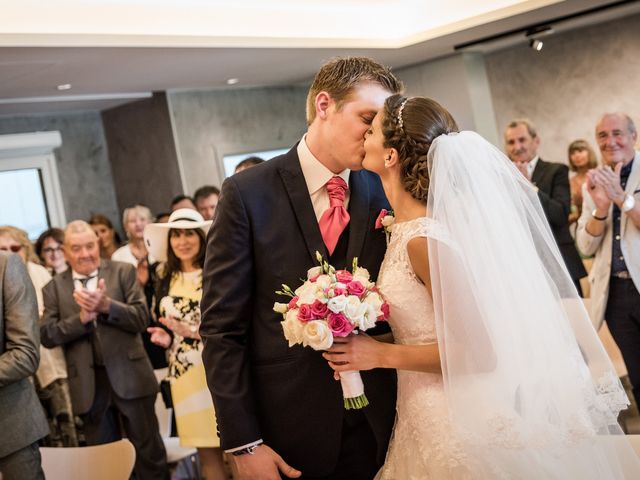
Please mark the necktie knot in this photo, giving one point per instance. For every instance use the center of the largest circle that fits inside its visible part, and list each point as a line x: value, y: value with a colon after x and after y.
x: 337, y: 190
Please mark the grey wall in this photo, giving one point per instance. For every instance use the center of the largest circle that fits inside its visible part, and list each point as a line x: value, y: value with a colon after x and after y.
x: 83, y: 165
x: 143, y: 153
x: 460, y: 84
x: 566, y: 87
x: 211, y: 124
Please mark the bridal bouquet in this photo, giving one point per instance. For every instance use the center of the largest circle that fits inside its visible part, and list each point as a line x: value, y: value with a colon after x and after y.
x: 333, y: 303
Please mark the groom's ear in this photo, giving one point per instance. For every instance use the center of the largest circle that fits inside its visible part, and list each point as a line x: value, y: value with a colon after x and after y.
x: 322, y: 103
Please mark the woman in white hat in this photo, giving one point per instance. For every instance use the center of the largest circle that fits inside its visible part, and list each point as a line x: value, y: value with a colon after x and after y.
x: 180, y: 246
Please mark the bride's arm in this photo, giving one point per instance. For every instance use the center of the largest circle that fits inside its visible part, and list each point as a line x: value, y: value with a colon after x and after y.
x: 361, y: 352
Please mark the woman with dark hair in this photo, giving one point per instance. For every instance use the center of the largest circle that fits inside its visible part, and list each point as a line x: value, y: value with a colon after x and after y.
x: 581, y: 158
x: 49, y: 250
x: 180, y: 245
x: 500, y: 372
x: 107, y: 235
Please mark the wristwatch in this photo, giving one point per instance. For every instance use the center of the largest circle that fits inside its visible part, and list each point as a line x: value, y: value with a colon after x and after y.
x: 628, y: 204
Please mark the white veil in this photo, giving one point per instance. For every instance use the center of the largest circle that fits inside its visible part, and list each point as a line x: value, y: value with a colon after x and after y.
x: 531, y: 391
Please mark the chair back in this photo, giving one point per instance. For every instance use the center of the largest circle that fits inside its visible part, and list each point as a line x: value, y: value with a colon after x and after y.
x: 111, y: 461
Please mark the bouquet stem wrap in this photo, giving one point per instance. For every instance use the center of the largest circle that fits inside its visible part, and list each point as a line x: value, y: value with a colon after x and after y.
x: 353, y: 390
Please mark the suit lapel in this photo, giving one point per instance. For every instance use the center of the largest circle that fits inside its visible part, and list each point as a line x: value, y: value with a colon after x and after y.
x: 67, y: 286
x: 359, y: 200
x: 633, y: 184
x: 296, y: 188
x: 536, y: 176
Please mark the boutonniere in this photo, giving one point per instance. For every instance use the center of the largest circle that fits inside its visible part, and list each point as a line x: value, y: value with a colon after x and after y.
x: 385, y: 221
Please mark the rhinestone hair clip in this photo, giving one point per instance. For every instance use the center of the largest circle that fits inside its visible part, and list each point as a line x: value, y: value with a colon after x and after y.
x: 400, y: 122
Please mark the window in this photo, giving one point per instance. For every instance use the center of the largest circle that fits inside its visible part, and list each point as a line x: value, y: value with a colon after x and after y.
x: 29, y: 188
x: 22, y: 192
x: 230, y: 161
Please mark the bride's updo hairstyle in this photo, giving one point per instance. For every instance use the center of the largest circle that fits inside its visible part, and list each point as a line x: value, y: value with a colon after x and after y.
x: 410, y: 126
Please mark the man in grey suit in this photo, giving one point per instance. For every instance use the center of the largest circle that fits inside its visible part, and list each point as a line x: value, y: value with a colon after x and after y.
x: 22, y: 421
x: 97, y: 310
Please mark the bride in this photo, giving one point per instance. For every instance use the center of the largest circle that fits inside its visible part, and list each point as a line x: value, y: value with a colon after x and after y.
x: 500, y: 372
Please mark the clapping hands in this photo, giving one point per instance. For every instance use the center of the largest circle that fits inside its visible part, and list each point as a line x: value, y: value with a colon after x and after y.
x: 92, y: 303
x: 603, y: 184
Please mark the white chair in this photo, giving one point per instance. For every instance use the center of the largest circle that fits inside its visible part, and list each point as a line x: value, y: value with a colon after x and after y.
x: 111, y: 461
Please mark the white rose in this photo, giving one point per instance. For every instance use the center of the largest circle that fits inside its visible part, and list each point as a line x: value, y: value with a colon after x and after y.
x: 280, y: 307
x: 337, y: 304
x: 313, y: 272
x: 387, y: 221
x: 307, y: 293
x: 340, y: 285
x: 369, y: 318
x: 317, y: 335
x: 354, y: 310
x: 362, y: 275
x: 292, y: 327
x: 323, y: 281
x: 375, y: 300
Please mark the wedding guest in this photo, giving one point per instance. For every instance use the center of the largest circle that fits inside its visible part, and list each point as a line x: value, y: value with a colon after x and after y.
x: 248, y: 163
x: 162, y: 217
x: 96, y: 310
x: 49, y: 249
x: 109, y: 238
x: 552, y: 183
x: 51, y: 376
x: 182, y: 201
x: 180, y: 246
x: 582, y: 158
x: 206, y: 200
x: 134, y: 220
x: 22, y: 422
x: 609, y: 228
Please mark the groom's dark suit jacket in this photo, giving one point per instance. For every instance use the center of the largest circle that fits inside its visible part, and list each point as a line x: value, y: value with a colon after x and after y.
x: 266, y: 234
x: 552, y: 180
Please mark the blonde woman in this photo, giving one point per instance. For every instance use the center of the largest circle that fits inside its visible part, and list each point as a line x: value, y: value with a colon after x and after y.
x: 582, y: 158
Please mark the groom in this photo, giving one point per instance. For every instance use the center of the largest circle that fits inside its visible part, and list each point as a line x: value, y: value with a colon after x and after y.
x: 279, y: 407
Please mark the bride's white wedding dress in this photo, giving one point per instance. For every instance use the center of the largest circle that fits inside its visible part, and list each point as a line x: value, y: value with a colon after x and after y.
x: 422, y: 446
x: 527, y: 390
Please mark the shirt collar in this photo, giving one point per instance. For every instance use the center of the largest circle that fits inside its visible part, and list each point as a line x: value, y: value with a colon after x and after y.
x: 316, y: 175
x: 532, y: 164
x: 78, y: 276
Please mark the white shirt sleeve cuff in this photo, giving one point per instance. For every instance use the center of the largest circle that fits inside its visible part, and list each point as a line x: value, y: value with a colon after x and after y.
x: 252, y: 444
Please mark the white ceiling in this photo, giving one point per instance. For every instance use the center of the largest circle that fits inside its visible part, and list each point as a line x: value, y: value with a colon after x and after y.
x: 111, y: 51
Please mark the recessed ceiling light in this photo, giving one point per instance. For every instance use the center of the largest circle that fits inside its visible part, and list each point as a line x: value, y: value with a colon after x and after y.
x: 232, y: 81
x: 536, y: 44
x: 64, y: 86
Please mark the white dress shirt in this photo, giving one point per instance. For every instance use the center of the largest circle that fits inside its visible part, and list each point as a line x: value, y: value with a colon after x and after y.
x: 92, y: 284
x: 316, y: 175
x: 531, y: 166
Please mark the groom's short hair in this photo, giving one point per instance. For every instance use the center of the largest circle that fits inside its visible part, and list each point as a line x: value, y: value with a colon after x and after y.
x: 340, y: 76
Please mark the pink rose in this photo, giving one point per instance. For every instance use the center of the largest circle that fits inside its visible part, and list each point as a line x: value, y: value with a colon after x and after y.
x: 339, y: 325
x: 304, y: 313
x: 383, y: 213
x: 355, y: 288
x: 292, y: 303
x: 384, y: 308
x: 319, y: 310
x: 339, y: 291
x: 343, y: 276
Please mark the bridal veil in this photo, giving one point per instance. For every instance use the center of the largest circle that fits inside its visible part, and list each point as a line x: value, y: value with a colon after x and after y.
x: 531, y: 392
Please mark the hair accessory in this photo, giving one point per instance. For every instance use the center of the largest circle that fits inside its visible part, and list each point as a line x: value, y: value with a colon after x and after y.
x: 400, y: 122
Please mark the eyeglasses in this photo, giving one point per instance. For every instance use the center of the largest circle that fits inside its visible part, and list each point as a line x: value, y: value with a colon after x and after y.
x: 51, y: 249
x: 12, y: 248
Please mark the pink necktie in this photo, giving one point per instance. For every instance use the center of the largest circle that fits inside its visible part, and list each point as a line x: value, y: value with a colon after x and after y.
x: 335, y: 218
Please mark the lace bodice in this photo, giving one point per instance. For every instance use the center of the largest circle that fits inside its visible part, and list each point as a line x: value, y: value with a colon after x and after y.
x: 411, y: 309
x: 422, y: 446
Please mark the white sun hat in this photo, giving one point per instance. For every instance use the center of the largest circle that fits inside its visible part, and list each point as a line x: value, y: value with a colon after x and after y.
x: 156, y: 235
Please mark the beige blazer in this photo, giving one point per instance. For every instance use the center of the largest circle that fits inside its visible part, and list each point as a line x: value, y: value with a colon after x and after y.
x: 602, y: 246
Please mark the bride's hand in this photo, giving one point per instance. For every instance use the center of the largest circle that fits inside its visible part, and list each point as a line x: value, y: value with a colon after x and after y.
x: 355, y: 352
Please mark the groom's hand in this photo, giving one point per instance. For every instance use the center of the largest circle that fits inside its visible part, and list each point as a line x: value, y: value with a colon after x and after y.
x: 263, y: 464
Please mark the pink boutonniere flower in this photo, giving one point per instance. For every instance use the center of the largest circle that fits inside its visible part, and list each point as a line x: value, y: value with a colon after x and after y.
x: 385, y: 220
